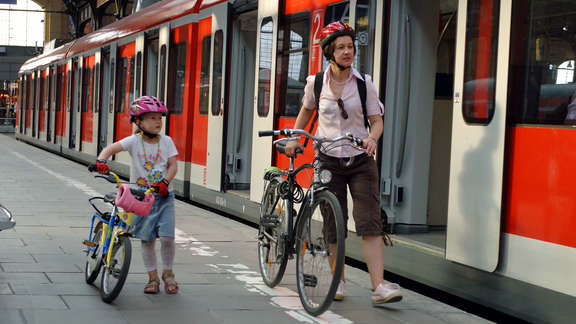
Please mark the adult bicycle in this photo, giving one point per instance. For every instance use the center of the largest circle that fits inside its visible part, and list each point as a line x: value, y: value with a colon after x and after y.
x: 108, y: 246
x: 319, y: 263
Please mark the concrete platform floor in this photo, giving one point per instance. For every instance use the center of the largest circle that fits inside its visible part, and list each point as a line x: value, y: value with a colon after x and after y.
x: 41, y: 263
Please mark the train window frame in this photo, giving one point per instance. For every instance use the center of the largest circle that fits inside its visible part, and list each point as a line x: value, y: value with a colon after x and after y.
x: 284, y: 62
x: 204, y: 80
x: 177, y: 77
x: 535, y: 95
x: 265, y: 64
x: 217, y: 68
x: 474, y: 111
x: 162, y: 73
x: 329, y: 18
x: 365, y: 37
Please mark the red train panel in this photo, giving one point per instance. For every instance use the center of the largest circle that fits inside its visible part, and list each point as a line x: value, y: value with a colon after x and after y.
x: 540, y: 191
x: 202, y: 84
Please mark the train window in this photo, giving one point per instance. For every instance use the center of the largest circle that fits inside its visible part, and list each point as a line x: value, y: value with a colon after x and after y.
x: 96, y: 88
x: 293, y: 40
x: 138, y: 73
x: 365, y: 31
x: 121, y: 84
x: 176, y: 77
x: 205, y: 75
x: 217, y: 72
x: 87, y: 75
x: 58, y: 103
x: 150, y: 82
x: 42, y: 89
x: 265, y: 66
x: 131, y: 84
x: 541, y: 80
x: 480, y: 61
x: 162, y: 80
x: 112, y: 85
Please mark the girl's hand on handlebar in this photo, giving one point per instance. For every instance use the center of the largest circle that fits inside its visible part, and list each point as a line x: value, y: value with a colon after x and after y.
x: 369, y: 144
x: 292, y: 146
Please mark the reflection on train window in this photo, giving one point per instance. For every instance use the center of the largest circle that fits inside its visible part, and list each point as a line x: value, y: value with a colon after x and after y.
x: 113, y: 82
x: 217, y: 72
x: 265, y: 66
x: 87, y: 80
x: 162, y: 72
x: 543, y: 49
x: 293, y: 40
x: 176, y: 78
x: 138, y: 73
x: 151, y: 63
x: 121, y: 84
x: 205, y: 75
x: 365, y: 25
x: 131, y: 84
x: 480, y: 61
x: 337, y: 12
x: 59, y: 75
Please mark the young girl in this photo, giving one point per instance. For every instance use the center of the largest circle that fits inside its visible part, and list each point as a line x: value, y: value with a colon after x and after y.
x: 153, y: 165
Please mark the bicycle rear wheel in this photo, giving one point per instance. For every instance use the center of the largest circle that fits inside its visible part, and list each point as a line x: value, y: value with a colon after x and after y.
x: 116, y: 272
x: 93, y: 257
x: 318, y: 270
x: 272, y: 256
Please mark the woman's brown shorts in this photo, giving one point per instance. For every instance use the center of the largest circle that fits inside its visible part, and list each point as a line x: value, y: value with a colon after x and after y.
x: 361, y: 176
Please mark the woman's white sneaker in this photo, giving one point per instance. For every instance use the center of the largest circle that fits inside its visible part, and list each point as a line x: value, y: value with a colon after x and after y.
x: 386, y: 293
x: 339, y: 296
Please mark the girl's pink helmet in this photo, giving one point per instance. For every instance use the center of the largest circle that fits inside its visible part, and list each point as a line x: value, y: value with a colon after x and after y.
x: 126, y: 200
x: 146, y: 104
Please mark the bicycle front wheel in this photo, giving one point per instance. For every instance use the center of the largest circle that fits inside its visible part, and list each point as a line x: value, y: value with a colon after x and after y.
x: 116, y: 271
x: 93, y: 257
x: 272, y: 256
x: 318, y: 267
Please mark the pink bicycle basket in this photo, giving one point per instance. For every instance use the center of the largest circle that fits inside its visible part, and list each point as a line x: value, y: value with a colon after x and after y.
x: 126, y: 200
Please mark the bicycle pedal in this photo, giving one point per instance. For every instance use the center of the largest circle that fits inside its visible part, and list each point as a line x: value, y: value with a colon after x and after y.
x: 89, y: 243
x: 310, y: 280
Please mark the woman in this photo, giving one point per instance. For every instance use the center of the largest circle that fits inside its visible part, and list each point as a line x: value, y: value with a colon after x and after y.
x: 340, y: 112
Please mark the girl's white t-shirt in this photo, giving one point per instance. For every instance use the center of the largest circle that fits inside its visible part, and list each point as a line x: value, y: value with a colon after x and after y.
x: 149, y: 161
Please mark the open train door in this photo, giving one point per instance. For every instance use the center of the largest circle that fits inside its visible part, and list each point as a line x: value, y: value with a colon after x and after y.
x: 266, y: 44
x: 478, y: 133
x: 216, y: 102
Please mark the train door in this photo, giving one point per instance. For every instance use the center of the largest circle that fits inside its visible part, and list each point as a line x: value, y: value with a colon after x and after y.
x: 87, y: 97
x: 201, y: 106
x: 34, y: 102
x: 478, y: 128
x: 72, y: 93
x: 124, y: 95
x: 266, y: 46
x: 106, y: 89
x: 50, y: 105
x: 60, y: 108
x: 240, y: 103
x: 42, y: 107
x: 177, y: 84
x: 217, y: 82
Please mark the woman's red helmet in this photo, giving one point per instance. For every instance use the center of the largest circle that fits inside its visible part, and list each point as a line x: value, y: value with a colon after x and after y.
x: 334, y: 30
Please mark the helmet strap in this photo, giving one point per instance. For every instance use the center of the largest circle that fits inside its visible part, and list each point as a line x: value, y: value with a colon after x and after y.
x: 145, y: 133
x: 340, y: 66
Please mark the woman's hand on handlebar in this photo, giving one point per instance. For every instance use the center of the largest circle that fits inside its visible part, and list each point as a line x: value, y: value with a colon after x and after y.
x: 369, y: 144
x: 292, y: 146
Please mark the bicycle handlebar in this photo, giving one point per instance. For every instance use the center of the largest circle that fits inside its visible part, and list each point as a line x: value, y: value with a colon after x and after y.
x: 319, y: 139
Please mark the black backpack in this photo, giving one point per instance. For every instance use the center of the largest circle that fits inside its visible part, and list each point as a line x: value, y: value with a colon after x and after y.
x: 318, y: 82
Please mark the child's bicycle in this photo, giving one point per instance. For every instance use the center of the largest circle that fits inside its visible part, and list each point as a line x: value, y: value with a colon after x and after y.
x: 6, y: 219
x: 108, y: 245
x: 319, y: 263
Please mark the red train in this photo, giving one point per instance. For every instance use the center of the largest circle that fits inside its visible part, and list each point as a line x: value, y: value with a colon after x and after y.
x: 476, y: 178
